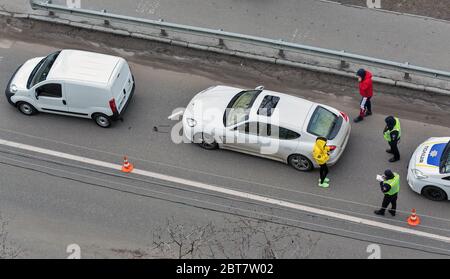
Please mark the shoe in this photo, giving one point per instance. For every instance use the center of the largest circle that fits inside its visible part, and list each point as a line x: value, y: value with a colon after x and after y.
x: 358, y: 119
x: 389, y: 151
x: 379, y: 212
x: 324, y: 185
x: 327, y: 180
x: 392, y: 160
x: 392, y: 212
x: 368, y: 113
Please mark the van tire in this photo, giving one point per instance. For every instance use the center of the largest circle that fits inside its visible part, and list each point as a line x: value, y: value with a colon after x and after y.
x: 26, y: 108
x: 102, y: 120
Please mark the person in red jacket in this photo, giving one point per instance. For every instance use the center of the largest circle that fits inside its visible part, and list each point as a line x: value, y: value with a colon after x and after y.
x: 366, y: 92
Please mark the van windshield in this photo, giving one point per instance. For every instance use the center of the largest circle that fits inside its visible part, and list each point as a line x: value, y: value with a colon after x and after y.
x: 42, y: 69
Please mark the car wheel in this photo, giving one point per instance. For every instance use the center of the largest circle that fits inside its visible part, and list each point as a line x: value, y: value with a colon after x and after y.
x: 102, y: 120
x: 26, y: 108
x: 206, y: 141
x: 434, y: 193
x: 300, y: 162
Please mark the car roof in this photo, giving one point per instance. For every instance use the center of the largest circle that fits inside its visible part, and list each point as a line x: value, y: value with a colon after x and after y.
x: 83, y: 66
x: 290, y: 112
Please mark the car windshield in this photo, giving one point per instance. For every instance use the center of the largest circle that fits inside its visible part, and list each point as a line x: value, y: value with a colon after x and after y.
x: 445, y: 159
x: 42, y: 69
x: 239, y: 107
x: 322, y: 122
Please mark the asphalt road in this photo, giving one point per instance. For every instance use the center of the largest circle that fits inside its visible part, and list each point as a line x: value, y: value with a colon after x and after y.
x: 69, y: 204
x: 397, y: 37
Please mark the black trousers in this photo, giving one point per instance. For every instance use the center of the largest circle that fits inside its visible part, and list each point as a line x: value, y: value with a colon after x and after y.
x: 323, y: 172
x: 389, y: 200
x: 394, y: 148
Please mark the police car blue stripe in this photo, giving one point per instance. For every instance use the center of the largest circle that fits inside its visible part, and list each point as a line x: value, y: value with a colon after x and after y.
x: 434, y: 156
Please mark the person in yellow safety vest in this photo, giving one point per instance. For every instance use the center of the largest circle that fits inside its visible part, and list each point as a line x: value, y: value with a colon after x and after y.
x: 390, y: 186
x: 392, y: 133
x: 320, y: 155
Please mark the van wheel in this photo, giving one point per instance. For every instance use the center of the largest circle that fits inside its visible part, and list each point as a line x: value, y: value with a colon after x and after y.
x: 26, y: 108
x: 300, y: 162
x: 102, y: 120
x: 434, y: 193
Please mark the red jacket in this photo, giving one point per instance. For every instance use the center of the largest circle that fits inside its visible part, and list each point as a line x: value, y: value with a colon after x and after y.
x: 366, y: 86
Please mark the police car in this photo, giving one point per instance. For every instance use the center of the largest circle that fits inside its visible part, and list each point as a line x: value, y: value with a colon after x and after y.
x: 429, y: 169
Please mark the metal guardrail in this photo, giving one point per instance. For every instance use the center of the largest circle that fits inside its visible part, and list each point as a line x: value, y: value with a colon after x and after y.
x: 279, y: 45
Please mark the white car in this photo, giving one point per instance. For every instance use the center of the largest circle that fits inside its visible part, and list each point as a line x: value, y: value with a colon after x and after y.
x: 264, y: 123
x: 429, y: 169
x: 72, y: 82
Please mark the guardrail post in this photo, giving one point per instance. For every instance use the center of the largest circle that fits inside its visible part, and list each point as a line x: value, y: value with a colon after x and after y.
x: 163, y: 32
x: 221, y: 42
x: 50, y: 13
x: 407, y: 76
x: 281, y: 51
x: 344, y: 64
x: 106, y: 22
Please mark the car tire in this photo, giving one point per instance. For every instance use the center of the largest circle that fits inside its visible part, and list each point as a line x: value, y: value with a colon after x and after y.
x: 300, y: 162
x: 102, y: 120
x: 434, y: 193
x: 206, y: 141
x: 26, y: 108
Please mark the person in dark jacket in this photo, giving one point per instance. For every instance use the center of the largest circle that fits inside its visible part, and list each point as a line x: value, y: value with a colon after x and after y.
x: 392, y: 133
x: 390, y: 186
x: 366, y: 92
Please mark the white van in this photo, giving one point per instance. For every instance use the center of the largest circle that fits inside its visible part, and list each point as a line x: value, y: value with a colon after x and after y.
x: 73, y: 82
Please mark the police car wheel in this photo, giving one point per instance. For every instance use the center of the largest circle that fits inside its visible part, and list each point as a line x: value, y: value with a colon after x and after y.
x: 434, y: 193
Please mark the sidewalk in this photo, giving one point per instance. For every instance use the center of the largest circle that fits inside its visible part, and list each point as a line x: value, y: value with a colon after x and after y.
x: 401, y: 38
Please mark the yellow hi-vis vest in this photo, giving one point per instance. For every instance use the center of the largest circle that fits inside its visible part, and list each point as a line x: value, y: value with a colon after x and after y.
x: 394, y: 183
x: 387, y: 134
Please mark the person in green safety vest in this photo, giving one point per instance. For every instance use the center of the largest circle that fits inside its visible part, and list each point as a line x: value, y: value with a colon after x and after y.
x: 392, y: 133
x: 390, y: 186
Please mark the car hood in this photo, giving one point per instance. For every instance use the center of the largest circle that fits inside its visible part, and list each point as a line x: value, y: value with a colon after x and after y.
x: 428, y: 155
x: 208, y: 106
x: 22, y: 75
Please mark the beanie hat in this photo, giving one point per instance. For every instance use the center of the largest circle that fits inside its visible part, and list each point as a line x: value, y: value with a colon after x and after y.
x: 361, y: 73
x: 390, y: 122
x: 389, y: 174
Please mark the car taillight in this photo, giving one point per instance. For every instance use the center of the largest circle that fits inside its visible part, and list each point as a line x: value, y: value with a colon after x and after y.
x: 112, y: 105
x: 345, y: 116
x: 332, y: 147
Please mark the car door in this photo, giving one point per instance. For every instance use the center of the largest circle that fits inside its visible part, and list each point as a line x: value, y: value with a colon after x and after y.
x: 277, y: 142
x: 242, y: 137
x: 50, y: 97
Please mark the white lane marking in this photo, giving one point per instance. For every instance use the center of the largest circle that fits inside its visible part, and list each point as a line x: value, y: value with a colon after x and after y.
x: 228, y: 191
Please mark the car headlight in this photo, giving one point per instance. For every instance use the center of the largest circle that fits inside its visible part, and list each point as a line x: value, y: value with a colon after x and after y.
x: 13, y: 88
x: 191, y: 122
x: 418, y: 174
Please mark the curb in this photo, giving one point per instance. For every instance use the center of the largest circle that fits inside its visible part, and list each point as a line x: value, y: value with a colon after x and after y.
x: 236, y: 53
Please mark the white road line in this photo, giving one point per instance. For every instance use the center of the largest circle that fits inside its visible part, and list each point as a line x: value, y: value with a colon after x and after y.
x: 226, y: 191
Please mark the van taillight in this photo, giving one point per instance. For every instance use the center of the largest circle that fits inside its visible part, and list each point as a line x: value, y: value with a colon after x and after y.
x: 112, y: 105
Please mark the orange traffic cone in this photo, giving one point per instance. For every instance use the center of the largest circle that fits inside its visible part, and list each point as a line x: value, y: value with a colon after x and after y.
x: 127, y: 166
x: 413, y: 220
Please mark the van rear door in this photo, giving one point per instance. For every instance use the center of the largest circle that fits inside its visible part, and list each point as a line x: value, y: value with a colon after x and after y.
x: 122, y: 85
